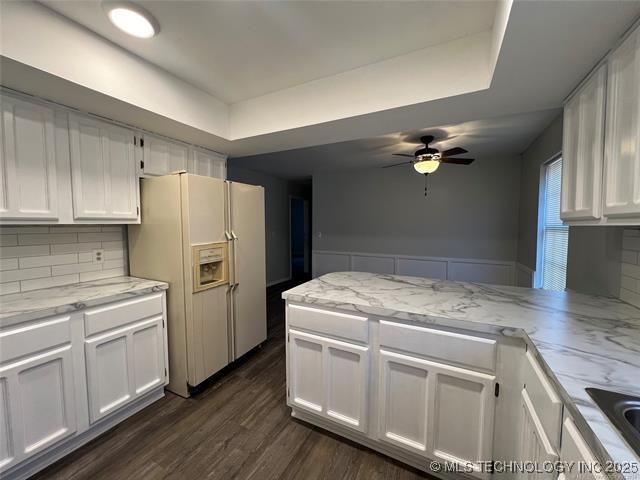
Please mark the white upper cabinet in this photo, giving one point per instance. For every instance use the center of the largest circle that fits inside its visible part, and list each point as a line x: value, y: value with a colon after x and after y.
x: 601, y: 142
x: 162, y: 156
x: 103, y: 173
x: 28, y: 185
x: 622, y: 141
x: 209, y: 164
x: 583, y: 137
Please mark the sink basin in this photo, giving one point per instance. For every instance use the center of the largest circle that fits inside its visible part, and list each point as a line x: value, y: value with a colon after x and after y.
x: 623, y: 411
x: 633, y: 417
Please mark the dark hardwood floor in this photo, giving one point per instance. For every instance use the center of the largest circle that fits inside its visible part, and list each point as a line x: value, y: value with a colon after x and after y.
x: 238, y: 427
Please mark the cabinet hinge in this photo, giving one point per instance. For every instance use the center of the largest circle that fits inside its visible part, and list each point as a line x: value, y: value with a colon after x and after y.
x: 288, y: 337
x: 165, y: 371
x: 141, y: 142
x: 497, y: 390
x: 135, y: 140
x: 163, y: 323
x: 142, y: 165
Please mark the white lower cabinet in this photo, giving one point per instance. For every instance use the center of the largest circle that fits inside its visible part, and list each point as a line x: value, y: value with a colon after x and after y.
x: 437, y: 410
x: 123, y: 364
x: 575, y: 451
x: 330, y: 378
x: 46, y: 381
x: 389, y: 396
x: 534, y: 446
x: 37, y: 406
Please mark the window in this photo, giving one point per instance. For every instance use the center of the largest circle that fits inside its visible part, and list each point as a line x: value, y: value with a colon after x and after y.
x: 554, y: 236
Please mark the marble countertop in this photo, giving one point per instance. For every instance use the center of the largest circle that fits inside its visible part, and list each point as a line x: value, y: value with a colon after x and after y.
x: 24, y: 306
x: 582, y: 340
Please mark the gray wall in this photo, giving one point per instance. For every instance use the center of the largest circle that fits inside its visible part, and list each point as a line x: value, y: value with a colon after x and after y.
x: 547, y: 145
x: 470, y: 211
x: 276, y: 192
x: 593, y: 259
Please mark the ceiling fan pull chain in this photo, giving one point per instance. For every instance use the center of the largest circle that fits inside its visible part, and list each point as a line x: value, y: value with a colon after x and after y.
x: 426, y: 175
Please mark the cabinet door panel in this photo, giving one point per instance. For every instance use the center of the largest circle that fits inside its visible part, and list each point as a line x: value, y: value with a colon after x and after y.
x: 162, y: 157
x: 208, y: 164
x: 6, y: 438
x: 575, y: 450
x: 622, y: 148
x: 148, y: 358
x: 306, y: 368
x: 329, y: 378
x: 121, y: 179
x: 347, y: 381
x: 404, y: 405
x: 123, y: 364
x: 38, y: 406
x: 464, y: 405
x: 28, y: 185
x: 582, y: 150
x: 108, y: 374
x: 103, y: 170
x: 535, y: 445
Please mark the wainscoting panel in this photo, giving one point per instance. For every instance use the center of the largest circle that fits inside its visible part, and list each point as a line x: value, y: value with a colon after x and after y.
x: 327, y: 262
x: 372, y: 264
x: 481, y: 272
x: 461, y: 269
x: 422, y: 268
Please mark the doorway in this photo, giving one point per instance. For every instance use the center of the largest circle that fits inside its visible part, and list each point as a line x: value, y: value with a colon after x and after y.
x: 300, y: 268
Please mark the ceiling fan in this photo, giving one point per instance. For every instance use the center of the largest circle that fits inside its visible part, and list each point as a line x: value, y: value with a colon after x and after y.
x: 426, y: 160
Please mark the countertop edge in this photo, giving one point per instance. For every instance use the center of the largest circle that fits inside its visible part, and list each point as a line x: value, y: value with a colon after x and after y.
x: 76, y: 302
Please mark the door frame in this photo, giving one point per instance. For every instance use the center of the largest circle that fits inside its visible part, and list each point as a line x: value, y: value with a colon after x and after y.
x: 307, y: 246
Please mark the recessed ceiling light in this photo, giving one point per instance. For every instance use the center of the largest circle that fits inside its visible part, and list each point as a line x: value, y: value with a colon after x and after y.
x: 131, y: 19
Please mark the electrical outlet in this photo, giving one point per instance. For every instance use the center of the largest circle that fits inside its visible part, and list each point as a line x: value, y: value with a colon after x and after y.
x: 98, y: 256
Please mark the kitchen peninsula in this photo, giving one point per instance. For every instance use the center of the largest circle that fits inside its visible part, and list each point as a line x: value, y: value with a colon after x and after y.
x: 424, y: 369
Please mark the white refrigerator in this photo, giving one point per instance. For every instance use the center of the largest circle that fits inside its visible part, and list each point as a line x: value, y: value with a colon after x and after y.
x: 206, y: 238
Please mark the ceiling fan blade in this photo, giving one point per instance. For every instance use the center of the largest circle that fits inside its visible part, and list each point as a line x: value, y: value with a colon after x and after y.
x: 397, y: 164
x: 453, y: 151
x: 403, y: 155
x: 457, y: 161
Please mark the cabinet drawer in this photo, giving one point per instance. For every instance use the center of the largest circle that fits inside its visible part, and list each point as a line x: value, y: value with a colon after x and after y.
x: 34, y: 337
x: 344, y: 325
x: 544, y: 398
x: 476, y: 353
x: 114, y: 315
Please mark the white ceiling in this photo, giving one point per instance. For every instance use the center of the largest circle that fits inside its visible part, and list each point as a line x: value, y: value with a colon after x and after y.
x: 502, y: 136
x: 238, y: 50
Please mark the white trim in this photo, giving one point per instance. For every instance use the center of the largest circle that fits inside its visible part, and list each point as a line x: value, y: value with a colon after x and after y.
x: 447, y: 268
x: 522, y: 271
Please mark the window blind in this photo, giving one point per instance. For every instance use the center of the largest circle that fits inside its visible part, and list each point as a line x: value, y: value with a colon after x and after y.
x: 555, y: 235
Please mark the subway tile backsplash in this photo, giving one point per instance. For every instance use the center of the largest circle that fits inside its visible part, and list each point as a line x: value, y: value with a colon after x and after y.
x: 34, y: 257
x: 630, y: 268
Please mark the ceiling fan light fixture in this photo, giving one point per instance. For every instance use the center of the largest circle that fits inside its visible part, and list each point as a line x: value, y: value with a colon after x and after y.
x: 131, y: 19
x: 426, y: 166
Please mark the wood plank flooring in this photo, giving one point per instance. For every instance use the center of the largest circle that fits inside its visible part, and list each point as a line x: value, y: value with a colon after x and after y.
x: 238, y: 427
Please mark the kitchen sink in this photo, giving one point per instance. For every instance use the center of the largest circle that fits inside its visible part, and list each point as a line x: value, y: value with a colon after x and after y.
x: 623, y: 411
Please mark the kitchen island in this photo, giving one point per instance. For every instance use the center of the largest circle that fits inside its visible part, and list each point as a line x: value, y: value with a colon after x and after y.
x: 424, y: 369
